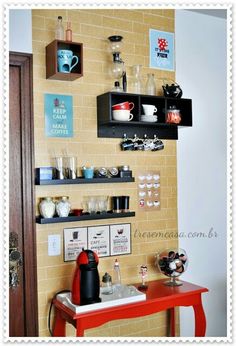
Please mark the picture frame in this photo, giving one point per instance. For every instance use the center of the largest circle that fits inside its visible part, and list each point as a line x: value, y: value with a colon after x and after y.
x: 120, y: 239
x: 75, y: 239
x: 58, y: 110
x: 162, y: 51
x: 99, y: 240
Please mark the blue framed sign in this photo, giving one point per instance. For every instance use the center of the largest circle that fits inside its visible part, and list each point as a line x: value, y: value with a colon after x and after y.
x: 58, y: 111
x: 161, y: 45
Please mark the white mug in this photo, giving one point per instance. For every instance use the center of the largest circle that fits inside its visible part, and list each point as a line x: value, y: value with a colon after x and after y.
x: 149, y: 109
x: 122, y: 115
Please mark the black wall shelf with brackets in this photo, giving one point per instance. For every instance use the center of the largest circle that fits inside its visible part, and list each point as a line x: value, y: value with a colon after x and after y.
x: 107, y: 127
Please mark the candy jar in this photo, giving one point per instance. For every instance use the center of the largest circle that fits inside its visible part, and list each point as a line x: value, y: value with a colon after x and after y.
x: 172, y: 263
x: 47, y: 208
x: 63, y: 207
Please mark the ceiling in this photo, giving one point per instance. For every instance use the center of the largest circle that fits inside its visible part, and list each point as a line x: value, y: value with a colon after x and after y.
x: 215, y: 13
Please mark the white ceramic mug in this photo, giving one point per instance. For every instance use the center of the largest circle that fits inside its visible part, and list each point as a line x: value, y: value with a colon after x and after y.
x: 122, y: 115
x: 149, y: 109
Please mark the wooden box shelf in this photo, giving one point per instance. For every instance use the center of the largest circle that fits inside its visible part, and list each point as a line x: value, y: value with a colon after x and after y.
x: 107, y: 127
x: 51, y: 60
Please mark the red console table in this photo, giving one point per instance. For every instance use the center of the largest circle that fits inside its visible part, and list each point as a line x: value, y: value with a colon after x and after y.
x: 158, y: 297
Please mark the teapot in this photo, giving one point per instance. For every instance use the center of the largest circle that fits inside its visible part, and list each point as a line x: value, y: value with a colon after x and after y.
x: 172, y: 90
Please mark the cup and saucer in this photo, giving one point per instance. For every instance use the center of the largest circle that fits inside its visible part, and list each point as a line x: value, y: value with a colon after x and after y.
x: 149, y: 118
x: 149, y: 115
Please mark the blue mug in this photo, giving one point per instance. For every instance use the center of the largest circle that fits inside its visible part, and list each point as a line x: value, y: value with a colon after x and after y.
x: 64, y: 60
x: 88, y: 173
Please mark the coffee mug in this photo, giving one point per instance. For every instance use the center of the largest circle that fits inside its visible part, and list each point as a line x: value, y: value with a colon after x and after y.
x: 122, y: 115
x: 149, y: 109
x: 64, y: 60
x: 124, y: 106
x: 116, y: 204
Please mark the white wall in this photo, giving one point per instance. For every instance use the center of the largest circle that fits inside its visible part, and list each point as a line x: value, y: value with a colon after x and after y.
x: 201, y: 155
x: 20, y: 31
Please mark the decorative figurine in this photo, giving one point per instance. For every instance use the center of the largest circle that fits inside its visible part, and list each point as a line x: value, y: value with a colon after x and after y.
x: 143, y: 272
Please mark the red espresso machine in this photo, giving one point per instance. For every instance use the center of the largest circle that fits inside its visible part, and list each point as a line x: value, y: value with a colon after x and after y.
x: 86, y: 284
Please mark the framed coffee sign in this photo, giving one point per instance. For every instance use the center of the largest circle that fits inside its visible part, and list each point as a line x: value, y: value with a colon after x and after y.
x: 120, y: 239
x: 99, y: 239
x: 58, y: 111
x: 161, y: 50
x: 75, y: 239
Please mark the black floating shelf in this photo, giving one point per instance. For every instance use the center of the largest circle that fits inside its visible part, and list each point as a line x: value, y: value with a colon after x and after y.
x: 84, y: 181
x: 84, y: 217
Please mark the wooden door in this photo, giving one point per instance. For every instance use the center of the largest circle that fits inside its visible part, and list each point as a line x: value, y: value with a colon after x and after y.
x: 23, y: 313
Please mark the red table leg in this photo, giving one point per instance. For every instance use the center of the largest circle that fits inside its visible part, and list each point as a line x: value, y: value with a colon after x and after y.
x: 59, y: 327
x: 172, y: 321
x: 79, y: 328
x: 200, y: 320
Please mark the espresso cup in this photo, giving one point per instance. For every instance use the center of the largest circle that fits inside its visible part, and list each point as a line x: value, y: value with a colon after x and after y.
x: 122, y: 115
x: 64, y: 60
x: 124, y: 106
x: 149, y: 109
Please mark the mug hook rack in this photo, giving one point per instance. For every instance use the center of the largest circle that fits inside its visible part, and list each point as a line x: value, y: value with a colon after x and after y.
x: 141, y: 144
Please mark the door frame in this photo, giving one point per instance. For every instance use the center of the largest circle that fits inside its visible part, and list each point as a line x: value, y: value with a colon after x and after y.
x: 24, y: 61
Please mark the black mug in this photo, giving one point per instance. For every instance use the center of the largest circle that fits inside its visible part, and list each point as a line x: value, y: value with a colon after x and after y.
x: 125, y: 203
x: 116, y: 204
x: 127, y: 144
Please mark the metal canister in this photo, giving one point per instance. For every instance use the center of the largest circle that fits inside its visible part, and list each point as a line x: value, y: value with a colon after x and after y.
x: 113, y: 171
x: 124, y: 168
x: 101, y: 172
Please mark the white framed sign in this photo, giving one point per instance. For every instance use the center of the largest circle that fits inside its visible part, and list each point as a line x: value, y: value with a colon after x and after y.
x: 74, y: 240
x: 120, y: 239
x: 99, y: 240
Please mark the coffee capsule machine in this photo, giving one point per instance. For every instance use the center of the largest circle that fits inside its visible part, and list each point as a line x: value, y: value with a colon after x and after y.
x: 86, y: 285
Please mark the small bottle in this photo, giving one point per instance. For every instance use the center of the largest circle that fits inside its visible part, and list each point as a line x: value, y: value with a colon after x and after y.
x: 150, y: 85
x: 59, y: 29
x: 69, y: 32
x: 116, y: 275
x: 117, y: 87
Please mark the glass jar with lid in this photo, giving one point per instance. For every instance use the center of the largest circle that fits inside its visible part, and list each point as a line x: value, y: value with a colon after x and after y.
x: 63, y: 207
x: 47, y: 207
x: 107, y: 284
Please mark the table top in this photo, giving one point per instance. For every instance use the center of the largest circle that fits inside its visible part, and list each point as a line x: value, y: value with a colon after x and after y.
x: 156, y: 292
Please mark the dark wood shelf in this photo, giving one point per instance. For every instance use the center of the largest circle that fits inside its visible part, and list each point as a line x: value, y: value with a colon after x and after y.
x: 107, y: 127
x: 84, y: 181
x: 51, y: 60
x: 84, y: 217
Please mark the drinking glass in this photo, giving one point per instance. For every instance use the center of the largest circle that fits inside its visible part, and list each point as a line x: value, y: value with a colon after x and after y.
x: 71, y: 167
x: 60, y: 167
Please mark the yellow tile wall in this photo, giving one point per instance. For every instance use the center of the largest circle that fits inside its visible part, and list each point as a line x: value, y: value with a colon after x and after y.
x: 92, y: 27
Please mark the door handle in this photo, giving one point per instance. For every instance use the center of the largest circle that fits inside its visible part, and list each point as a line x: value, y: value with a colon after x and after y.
x: 15, y: 260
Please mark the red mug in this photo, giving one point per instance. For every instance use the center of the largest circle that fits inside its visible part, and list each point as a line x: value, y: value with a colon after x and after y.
x: 124, y: 106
